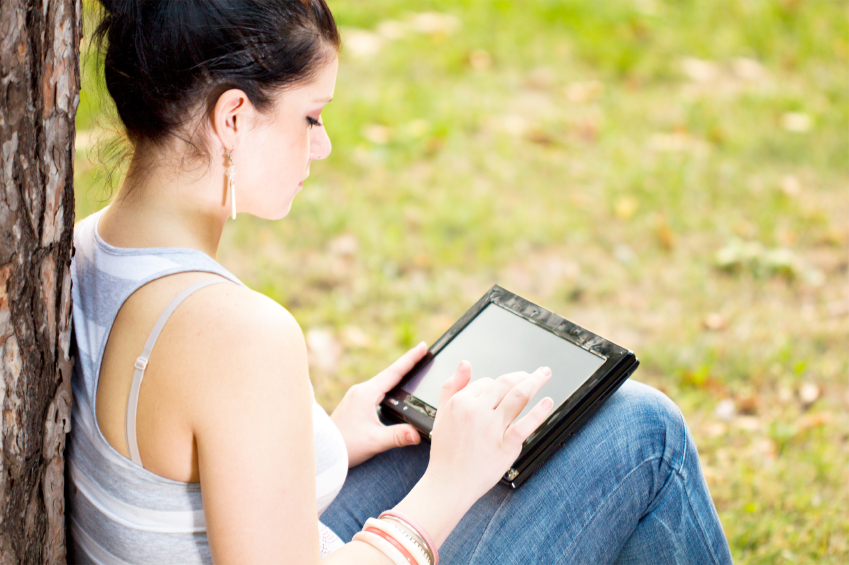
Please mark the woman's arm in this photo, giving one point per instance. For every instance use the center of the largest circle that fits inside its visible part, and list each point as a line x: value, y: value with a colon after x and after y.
x: 252, y: 421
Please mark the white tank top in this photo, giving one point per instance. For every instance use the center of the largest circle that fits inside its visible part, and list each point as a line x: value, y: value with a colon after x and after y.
x: 118, y: 511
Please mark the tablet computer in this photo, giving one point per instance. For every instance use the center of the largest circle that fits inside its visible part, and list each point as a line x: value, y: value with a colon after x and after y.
x: 504, y: 333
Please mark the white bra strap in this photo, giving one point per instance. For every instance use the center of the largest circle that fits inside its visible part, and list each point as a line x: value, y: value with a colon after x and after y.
x: 141, y: 364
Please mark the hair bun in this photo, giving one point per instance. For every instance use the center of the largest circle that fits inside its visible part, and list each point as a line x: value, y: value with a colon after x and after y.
x: 164, y: 58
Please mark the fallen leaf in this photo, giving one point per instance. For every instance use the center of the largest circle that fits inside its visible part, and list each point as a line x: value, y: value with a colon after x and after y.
x: 515, y: 125
x: 541, y: 78
x: 583, y: 92
x: 699, y: 70
x: 377, y: 134
x: 725, y: 409
x: 748, y: 69
x: 810, y: 421
x: 797, y: 122
x: 766, y: 448
x: 748, y: 405
x: 434, y: 23
x: 748, y: 423
x: 540, y: 137
x: 324, y: 350
x: 345, y: 245
x: 809, y: 393
x: 480, y: 60
x: 392, y: 29
x: 715, y: 322
x: 678, y: 142
x: 625, y: 207
x: 624, y: 254
x: 353, y: 336
x: 361, y: 43
x: 663, y: 232
x: 714, y: 429
x: 790, y: 185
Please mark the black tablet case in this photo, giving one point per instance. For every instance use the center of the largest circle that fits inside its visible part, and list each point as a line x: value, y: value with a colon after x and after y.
x: 565, y: 420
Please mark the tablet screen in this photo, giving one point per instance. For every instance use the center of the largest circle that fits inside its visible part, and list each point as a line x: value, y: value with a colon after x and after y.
x: 498, y: 342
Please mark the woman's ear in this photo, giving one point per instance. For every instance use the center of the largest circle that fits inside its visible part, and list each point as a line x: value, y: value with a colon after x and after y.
x: 230, y: 116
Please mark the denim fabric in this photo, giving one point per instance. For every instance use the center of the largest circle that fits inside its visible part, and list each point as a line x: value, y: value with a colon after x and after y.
x: 627, y: 489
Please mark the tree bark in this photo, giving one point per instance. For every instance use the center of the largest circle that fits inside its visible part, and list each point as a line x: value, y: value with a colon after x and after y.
x: 39, y: 94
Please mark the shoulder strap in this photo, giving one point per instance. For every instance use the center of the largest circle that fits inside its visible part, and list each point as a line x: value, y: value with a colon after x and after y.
x: 141, y: 364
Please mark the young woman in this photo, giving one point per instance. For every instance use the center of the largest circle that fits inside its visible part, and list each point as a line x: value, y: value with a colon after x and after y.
x: 210, y: 447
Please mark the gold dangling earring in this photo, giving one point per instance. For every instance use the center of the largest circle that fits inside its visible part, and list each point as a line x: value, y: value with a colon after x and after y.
x: 231, y: 184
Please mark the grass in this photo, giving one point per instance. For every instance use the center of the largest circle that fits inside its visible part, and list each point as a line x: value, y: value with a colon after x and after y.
x: 673, y: 175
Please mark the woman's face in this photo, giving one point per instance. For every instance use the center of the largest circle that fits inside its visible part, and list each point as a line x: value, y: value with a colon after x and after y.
x: 274, y: 158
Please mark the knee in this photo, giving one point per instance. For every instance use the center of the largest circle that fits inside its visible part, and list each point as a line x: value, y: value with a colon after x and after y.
x: 650, y: 423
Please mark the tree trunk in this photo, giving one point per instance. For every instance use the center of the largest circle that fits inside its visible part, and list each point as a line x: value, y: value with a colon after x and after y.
x: 39, y: 93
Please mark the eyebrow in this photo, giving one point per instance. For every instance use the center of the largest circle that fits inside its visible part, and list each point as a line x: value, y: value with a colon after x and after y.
x: 325, y: 100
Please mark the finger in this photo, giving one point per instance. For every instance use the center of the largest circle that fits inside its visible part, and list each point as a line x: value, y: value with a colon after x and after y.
x: 456, y: 382
x: 399, y: 435
x: 521, y: 429
x: 518, y: 397
x: 389, y: 377
x: 493, y: 395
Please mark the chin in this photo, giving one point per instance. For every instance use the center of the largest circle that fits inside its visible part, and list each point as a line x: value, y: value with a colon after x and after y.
x: 277, y: 213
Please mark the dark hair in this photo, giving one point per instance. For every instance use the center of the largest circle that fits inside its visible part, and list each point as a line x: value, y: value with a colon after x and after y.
x: 164, y: 58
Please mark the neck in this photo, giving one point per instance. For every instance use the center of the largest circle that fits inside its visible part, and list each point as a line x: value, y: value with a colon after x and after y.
x: 168, y: 209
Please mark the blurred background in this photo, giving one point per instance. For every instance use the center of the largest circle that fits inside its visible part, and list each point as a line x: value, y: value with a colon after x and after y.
x: 671, y: 174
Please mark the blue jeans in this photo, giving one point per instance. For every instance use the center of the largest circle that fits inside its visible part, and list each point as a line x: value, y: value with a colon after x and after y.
x: 627, y: 488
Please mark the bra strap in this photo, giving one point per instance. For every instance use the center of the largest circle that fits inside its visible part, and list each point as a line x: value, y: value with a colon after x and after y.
x: 141, y: 364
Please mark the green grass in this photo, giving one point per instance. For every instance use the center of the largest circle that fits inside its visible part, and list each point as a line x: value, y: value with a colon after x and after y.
x: 595, y: 157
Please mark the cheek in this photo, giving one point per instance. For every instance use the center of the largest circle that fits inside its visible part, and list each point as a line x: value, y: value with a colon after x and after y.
x: 283, y: 158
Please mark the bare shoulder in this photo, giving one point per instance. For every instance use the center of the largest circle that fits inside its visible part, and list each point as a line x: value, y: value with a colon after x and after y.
x: 242, y: 318
x: 230, y: 348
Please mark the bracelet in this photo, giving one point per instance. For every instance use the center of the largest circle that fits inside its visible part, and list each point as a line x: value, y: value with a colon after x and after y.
x: 408, y: 529
x: 410, y: 559
x: 382, y: 546
x: 410, y: 523
x: 403, y: 537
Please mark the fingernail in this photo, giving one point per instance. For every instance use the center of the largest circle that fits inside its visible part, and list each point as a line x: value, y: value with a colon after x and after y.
x: 547, y: 404
x: 409, y: 437
x: 422, y: 343
x: 546, y: 371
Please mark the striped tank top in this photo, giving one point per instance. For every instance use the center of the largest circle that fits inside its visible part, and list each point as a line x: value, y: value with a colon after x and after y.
x: 119, y: 512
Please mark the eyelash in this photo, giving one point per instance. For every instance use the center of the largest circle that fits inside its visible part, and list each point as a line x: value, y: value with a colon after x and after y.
x: 313, y: 122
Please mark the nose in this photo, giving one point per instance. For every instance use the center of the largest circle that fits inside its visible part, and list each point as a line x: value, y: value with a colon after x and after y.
x: 319, y: 143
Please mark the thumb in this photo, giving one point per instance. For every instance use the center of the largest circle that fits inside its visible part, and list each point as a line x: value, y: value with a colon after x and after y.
x: 402, y: 435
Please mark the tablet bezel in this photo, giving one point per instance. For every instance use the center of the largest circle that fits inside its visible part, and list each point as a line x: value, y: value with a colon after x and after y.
x: 565, y: 419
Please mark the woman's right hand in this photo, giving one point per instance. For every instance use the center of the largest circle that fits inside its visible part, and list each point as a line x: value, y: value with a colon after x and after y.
x: 475, y: 438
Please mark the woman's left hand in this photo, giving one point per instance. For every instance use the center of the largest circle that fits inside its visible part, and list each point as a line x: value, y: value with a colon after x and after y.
x: 356, y: 416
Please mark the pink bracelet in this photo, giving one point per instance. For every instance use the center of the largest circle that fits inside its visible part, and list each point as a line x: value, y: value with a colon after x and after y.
x: 395, y: 543
x: 421, y: 531
x: 382, y: 546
